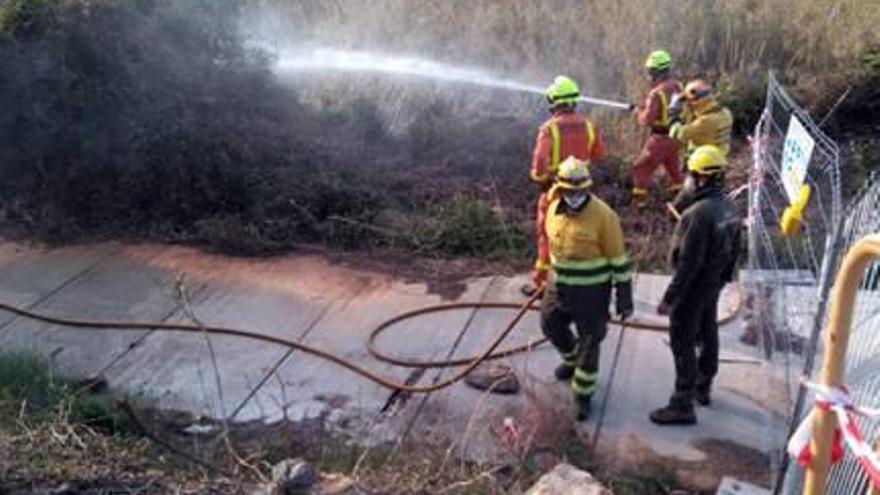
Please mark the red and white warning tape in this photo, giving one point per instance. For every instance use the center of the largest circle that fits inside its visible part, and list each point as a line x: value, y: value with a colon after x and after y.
x: 838, y: 401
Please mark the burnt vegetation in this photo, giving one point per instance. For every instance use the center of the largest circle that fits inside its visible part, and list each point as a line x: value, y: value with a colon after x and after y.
x: 160, y: 120
x: 155, y: 119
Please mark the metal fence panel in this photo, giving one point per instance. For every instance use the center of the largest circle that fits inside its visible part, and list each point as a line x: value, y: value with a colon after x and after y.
x: 829, y: 232
x: 862, y: 375
x: 789, y: 278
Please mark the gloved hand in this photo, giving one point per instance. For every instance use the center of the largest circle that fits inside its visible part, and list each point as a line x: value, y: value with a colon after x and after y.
x: 633, y: 107
x: 675, y: 130
x: 623, y: 300
x: 676, y: 105
x: 539, y: 277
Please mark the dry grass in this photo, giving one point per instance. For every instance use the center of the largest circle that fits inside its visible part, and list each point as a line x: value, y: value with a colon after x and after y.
x: 814, y: 43
x: 53, y: 448
x: 50, y: 455
x: 537, y: 39
x: 60, y: 437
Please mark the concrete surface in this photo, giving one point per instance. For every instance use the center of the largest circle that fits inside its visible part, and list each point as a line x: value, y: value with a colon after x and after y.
x: 307, y: 299
x: 730, y: 486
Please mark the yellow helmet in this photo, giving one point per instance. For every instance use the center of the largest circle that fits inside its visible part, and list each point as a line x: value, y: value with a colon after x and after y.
x: 698, y: 90
x: 574, y: 174
x: 707, y: 160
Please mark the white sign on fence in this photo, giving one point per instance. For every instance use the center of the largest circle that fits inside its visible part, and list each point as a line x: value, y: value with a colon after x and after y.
x: 795, y: 158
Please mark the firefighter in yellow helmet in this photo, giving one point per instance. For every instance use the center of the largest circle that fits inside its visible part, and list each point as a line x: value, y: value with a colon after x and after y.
x: 704, y: 254
x: 585, y: 250
x: 710, y: 122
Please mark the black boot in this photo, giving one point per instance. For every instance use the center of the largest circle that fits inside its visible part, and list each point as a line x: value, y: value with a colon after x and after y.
x: 528, y: 290
x: 704, y: 397
x: 564, y: 372
x: 584, y: 408
x: 703, y: 392
x: 680, y: 411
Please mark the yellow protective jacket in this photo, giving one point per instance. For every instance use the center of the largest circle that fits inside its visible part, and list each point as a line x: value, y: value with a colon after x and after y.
x: 586, y: 248
x: 710, y: 125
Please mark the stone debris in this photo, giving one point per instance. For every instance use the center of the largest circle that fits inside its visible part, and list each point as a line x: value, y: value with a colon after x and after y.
x: 566, y: 479
x: 498, y: 378
x: 292, y: 477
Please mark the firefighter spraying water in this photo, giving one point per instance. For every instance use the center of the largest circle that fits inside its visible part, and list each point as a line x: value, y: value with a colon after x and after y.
x: 581, y: 255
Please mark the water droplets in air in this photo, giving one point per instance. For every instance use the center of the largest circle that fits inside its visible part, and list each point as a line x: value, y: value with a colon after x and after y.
x: 329, y: 59
x: 326, y: 59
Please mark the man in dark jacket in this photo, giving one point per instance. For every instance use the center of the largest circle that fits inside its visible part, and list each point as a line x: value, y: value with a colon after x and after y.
x: 704, y: 253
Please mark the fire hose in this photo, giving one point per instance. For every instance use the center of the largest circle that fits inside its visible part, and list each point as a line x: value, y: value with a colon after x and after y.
x: 469, y: 363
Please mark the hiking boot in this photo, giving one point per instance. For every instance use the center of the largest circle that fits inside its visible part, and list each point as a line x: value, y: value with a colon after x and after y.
x: 674, y: 414
x: 564, y: 372
x: 703, y: 398
x: 584, y: 408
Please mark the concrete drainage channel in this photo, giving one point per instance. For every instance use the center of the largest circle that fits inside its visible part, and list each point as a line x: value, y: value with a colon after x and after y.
x: 318, y: 303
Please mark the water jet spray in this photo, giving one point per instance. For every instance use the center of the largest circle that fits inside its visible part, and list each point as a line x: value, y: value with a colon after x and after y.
x: 325, y: 59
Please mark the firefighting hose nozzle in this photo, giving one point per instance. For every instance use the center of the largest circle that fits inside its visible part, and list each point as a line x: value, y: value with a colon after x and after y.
x: 469, y: 363
x: 619, y: 105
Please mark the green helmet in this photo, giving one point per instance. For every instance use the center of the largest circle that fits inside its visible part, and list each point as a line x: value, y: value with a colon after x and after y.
x: 563, y: 91
x: 659, y: 60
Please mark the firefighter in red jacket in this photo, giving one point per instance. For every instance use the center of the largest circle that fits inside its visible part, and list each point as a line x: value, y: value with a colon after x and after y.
x: 660, y: 149
x: 567, y: 133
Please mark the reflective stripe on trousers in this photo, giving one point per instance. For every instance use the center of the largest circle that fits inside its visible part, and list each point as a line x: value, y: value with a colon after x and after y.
x: 583, y: 383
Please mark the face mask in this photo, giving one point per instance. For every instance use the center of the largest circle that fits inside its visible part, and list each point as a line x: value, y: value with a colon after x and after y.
x: 575, y: 200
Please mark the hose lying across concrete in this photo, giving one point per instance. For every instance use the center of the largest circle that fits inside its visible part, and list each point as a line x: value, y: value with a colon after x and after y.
x: 469, y: 363
x: 372, y: 345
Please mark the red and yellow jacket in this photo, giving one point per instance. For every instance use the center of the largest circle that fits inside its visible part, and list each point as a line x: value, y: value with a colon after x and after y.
x: 655, y: 113
x: 565, y: 134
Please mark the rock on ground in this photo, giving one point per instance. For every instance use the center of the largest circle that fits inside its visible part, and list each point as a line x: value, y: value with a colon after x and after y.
x: 566, y: 479
x: 292, y: 477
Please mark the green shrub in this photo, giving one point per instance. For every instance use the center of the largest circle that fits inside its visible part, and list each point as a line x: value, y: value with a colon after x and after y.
x: 864, y: 157
x: 28, y: 386
x: 29, y: 19
x: 27, y: 380
x: 468, y: 226
x: 745, y: 100
x: 869, y: 61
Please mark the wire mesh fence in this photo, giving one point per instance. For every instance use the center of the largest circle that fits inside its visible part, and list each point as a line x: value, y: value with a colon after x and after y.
x: 862, y: 375
x: 789, y: 277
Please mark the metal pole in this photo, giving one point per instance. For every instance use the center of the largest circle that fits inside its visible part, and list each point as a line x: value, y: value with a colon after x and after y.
x: 832, y: 248
x: 620, y: 105
x: 834, y: 359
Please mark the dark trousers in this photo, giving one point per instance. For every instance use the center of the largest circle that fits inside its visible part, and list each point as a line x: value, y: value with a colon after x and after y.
x: 587, y: 308
x: 693, y: 335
